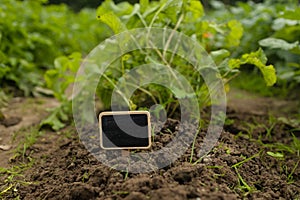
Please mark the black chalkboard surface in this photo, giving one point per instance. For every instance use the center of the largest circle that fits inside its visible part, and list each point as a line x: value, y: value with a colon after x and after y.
x: 125, y: 130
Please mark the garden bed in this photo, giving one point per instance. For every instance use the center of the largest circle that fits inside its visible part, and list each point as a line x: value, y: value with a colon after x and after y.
x: 243, y: 164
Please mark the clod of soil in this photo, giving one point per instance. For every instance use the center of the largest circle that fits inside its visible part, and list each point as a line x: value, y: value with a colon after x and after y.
x: 11, y: 121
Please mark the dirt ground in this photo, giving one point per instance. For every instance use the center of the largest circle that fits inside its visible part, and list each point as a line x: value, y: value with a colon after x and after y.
x: 20, y: 114
x: 63, y: 169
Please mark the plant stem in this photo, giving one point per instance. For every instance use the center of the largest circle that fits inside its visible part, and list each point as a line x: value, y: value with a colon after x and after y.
x: 242, y: 180
x: 246, y: 160
x: 193, y: 145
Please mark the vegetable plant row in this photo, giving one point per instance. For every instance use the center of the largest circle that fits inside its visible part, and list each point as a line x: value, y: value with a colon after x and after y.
x: 42, y: 46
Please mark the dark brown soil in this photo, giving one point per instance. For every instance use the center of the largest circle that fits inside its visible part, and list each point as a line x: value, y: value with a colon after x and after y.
x: 64, y: 169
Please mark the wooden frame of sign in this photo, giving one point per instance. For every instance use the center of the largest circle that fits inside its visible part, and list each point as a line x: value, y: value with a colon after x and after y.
x: 112, y: 137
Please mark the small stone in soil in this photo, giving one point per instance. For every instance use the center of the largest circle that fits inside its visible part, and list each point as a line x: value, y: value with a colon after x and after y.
x: 5, y: 147
x: 183, y: 177
x: 7, y: 122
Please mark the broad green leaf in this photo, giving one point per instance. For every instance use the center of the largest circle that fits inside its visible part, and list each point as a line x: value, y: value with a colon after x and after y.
x: 269, y: 74
x: 134, y: 19
x: 74, y: 61
x: 113, y: 21
x: 234, y: 63
x: 123, y: 8
x: 53, y: 120
x: 196, y: 8
x: 217, y: 27
x: 259, y: 60
x: 182, y: 93
x: 288, y: 33
x: 235, y: 34
x: 260, y: 55
x: 51, y: 77
x: 275, y: 43
x: 144, y: 5
x: 220, y: 55
x: 288, y: 75
x: 61, y: 63
x: 292, y: 14
x: 281, y: 23
x: 169, y: 10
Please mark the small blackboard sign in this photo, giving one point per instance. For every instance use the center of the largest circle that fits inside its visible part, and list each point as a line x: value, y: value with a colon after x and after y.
x: 125, y: 130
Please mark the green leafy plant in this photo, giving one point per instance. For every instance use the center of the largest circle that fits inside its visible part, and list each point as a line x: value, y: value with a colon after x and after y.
x: 59, y: 80
x: 30, y: 40
x: 272, y: 25
x: 259, y: 60
x: 218, y: 39
x: 283, y: 44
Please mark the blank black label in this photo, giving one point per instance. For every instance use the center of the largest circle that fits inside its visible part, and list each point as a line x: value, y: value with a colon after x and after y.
x: 114, y: 137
